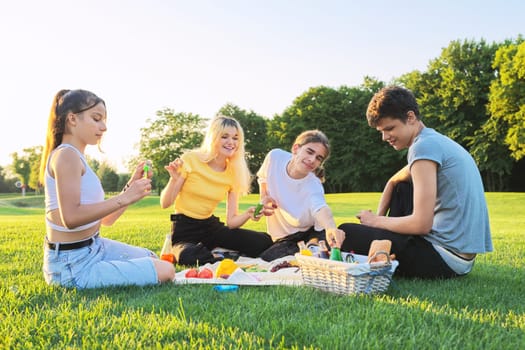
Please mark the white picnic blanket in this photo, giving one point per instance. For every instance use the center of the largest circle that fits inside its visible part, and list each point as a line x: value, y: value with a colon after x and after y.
x: 284, y: 276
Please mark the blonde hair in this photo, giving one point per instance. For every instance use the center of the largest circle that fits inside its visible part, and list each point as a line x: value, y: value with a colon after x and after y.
x: 209, y: 150
x: 64, y: 102
x: 315, y: 136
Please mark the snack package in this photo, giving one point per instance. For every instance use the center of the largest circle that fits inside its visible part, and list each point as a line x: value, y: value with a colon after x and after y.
x: 383, y: 245
x: 225, y: 268
x: 258, y: 209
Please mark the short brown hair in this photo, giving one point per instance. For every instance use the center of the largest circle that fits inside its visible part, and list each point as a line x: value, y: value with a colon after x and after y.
x: 393, y: 102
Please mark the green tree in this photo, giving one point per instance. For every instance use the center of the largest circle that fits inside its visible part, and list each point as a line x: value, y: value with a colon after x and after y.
x: 93, y: 163
x: 492, y: 156
x: 166, y: 138
x: 318, y: 108
x: 106, y: 173
x: 27, y: 165
x: 7, y: 184
x: 359, y: 160
x: 108, y: 177
x: 507, y: 97
x: 499, y: 144
x: 453, y: 94
x: 255, y: 134
x: 35, y: 155
x: 122, y: 180
x: 276, y: 132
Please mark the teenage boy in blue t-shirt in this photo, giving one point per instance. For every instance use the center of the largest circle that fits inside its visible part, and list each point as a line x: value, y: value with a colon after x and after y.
x: 438, y: 218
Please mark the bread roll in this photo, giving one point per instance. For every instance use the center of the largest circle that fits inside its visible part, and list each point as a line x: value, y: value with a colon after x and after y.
x: 383, y: 245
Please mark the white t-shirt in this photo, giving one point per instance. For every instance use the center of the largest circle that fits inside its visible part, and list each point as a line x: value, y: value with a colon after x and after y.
x: 298, y: 200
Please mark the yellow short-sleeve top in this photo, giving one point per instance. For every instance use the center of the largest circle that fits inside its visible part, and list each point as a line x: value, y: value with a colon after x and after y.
x: 203, y: 189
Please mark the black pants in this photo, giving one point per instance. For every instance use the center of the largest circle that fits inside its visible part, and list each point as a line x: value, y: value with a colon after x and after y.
x: 417, y: 257
x: 288, y: 245
x: 193, y: 239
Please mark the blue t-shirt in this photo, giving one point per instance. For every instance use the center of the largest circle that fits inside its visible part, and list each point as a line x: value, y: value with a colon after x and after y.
x: 461, y: 221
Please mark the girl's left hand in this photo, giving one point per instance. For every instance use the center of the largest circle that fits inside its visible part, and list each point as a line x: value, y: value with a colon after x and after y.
x: 136, y: 190
x: 251, y: 212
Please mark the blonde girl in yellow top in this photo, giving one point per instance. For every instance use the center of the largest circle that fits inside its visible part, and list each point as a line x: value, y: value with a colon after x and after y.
x: 199, y: 181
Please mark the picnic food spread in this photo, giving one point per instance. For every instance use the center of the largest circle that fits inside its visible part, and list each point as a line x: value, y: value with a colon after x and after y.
x: 355, y: 274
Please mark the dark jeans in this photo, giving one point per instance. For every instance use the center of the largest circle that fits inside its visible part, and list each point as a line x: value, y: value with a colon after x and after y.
x: 193, y: 239
x: 417, y: 257
x: 288, y: 245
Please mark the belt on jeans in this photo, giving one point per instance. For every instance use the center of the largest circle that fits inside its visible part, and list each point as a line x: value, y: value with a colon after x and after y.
x: 184, y: 218
x: 71, y: 246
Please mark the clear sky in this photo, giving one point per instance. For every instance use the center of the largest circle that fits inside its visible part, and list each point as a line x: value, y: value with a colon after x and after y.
x: 194, y: 56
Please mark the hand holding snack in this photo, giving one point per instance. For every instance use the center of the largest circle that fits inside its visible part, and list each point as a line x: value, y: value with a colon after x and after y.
x: 147, y: 169
x: 268, y: 205
x: 174, y: 168
x: 258, y: 209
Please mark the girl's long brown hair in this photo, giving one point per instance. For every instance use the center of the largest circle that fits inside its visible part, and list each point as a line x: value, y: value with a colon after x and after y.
x: 65, y: 102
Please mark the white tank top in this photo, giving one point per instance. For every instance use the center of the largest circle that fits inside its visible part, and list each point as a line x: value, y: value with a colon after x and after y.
x: 91, y: 191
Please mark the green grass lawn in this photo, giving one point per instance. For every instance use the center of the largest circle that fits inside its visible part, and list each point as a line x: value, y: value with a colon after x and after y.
x: 484, y: 310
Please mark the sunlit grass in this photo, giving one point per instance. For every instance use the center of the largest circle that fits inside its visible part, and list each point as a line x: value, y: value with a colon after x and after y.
x: 483, y: 310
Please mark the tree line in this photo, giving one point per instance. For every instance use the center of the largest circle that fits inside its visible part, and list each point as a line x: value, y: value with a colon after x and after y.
x: 474, y: 92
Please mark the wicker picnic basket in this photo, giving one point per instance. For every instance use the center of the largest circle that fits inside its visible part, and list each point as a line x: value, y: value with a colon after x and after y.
x: 347, y: 278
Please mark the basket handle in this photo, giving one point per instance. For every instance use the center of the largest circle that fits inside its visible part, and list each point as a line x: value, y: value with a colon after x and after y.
x: 380, y: 252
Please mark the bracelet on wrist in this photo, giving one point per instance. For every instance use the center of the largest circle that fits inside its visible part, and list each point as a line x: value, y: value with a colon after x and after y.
x: 125, y: 187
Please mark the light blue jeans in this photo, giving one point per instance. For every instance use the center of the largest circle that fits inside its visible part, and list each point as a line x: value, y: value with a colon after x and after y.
x: 103, y: 263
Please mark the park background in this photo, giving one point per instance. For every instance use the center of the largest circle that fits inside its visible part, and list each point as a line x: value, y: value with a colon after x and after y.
x: 166, y: 67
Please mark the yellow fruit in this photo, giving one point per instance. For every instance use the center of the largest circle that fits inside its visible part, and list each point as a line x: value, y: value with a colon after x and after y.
x: 307, y: 252
x: 226, y: 267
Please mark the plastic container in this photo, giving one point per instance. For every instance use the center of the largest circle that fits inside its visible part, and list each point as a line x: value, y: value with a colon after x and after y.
x: 147, y: 168
x: 226, y: 288
x: 303, y: 249
x: 335, y: 254
x: 166, y: 254
x: 323, y: 250
x: 313, y: 246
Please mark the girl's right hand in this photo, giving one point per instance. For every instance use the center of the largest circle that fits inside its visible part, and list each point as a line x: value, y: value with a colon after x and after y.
x: 251, y: 213
x: 174, y: 168
x: 269, y: 206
